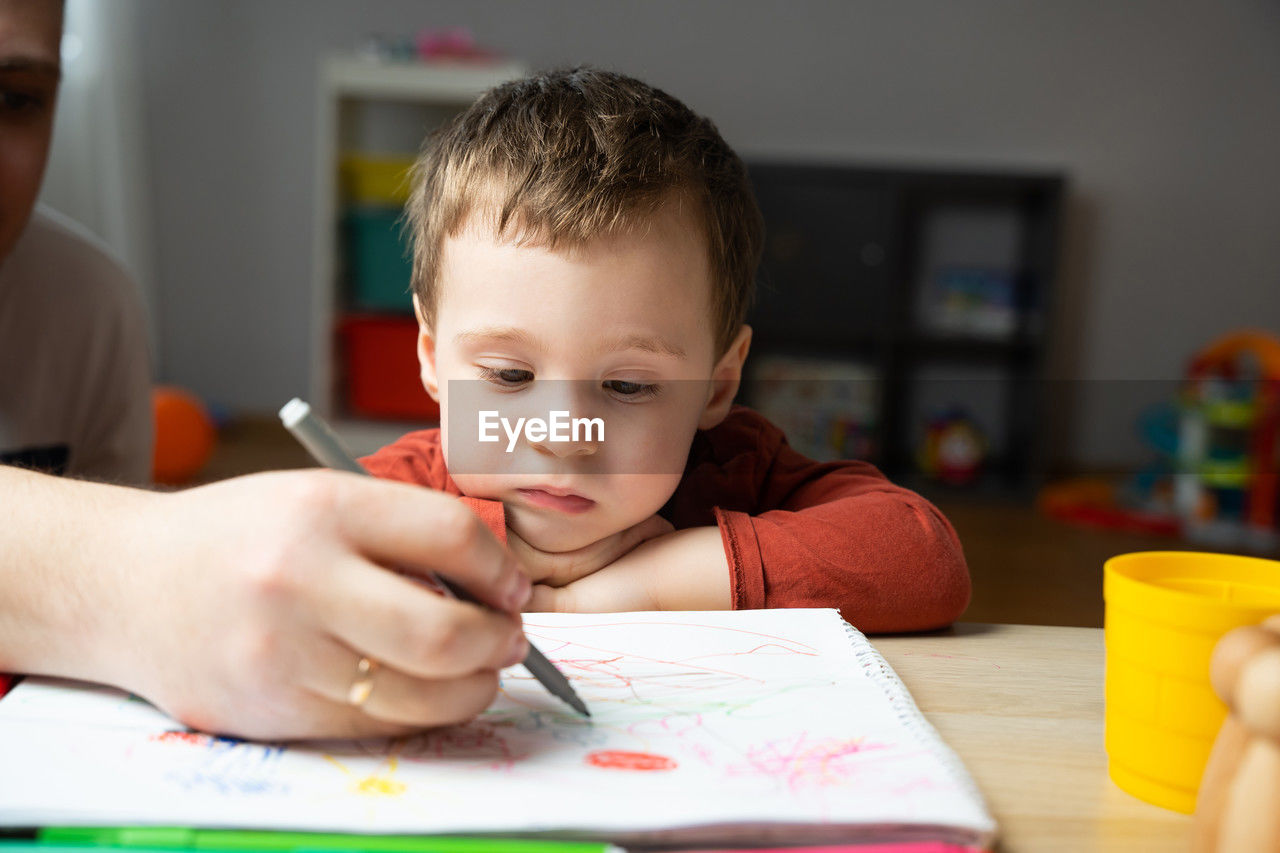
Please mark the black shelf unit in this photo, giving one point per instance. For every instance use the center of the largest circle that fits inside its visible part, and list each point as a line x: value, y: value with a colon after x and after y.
x: 849, y: 250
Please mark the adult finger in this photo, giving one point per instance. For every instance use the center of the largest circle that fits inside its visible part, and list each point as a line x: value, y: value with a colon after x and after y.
x: 396, y: 698
x: 344, y: 721
x: 306, y: 716
x: 423, y: 531
x: 403, y: 624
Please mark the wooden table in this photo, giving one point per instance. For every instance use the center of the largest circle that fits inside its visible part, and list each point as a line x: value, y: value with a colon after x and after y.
x: 1022, y: 705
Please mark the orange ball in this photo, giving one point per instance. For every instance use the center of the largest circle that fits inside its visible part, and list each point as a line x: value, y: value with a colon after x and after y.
x: 185, y: 436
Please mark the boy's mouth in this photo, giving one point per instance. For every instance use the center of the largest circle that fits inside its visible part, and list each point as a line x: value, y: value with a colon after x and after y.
x: 558, y: 499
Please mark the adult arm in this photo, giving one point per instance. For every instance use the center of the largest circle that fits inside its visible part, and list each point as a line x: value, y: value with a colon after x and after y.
x: 244, y: 606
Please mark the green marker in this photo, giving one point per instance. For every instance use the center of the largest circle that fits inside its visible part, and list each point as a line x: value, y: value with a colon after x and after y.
x: 87, y: 839
x: 41, y: 847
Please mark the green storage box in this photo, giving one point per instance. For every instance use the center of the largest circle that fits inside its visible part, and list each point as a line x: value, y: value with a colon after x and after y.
x: 379, y: 264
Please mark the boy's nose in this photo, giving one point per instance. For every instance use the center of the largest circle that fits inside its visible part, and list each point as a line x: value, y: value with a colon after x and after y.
x: 566, y: 449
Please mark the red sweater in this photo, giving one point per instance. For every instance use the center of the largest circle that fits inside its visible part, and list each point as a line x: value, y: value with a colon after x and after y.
x: 797, y: 533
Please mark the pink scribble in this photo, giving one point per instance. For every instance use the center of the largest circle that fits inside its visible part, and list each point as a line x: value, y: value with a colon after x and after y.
x: 802, y: 763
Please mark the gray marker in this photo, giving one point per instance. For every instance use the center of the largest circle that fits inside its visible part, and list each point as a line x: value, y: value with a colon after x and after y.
x: 321, y: 442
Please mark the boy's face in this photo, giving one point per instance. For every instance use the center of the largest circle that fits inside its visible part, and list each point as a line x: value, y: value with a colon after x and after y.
x: 618, y: 330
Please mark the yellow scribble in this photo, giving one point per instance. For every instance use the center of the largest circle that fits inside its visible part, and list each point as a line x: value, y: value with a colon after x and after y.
x: 377, y: 785
x: 380, y: 786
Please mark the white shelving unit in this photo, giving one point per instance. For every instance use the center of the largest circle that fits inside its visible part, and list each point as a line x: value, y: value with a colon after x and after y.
x: 372, y: 108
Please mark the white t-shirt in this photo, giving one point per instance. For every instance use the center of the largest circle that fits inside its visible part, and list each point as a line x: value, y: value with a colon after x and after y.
x: 75, y: 378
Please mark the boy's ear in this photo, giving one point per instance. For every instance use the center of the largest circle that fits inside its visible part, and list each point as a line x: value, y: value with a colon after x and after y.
x: 426, y: 354
x: 726, y: 377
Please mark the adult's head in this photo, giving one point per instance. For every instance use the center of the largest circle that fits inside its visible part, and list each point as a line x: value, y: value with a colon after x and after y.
x: 30, y: 38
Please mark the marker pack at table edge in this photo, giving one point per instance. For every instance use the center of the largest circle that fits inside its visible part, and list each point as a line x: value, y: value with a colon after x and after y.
x: 187, y: 839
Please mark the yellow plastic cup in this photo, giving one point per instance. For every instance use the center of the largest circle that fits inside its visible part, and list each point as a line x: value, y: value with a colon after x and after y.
x: 1165, y: 611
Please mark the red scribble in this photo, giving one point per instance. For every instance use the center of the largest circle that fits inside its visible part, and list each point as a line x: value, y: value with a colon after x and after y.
x: 193, y: 738
x: 482, y: 742
x: 618, y: 759
x: 593, y: 664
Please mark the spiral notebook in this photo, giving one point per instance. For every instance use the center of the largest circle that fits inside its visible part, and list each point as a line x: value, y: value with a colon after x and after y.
x: 766, y: 726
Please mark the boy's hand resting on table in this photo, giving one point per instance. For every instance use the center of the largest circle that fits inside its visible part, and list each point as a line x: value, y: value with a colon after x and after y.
x: 561, y: 568
x: 244, y: 607
x: 662, y: 569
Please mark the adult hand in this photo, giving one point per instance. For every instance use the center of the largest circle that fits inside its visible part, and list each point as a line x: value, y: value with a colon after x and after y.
x: 244, y: 607
x: 558, y: 569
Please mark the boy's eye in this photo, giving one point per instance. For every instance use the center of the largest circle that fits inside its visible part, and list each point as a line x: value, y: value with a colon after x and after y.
x: 508, y: 377
x: 631, y: 390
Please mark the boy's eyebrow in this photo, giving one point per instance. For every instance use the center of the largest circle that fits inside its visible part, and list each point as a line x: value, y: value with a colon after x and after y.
x: 512, y: 335
x: 498, y: 334
x: 646, y: 343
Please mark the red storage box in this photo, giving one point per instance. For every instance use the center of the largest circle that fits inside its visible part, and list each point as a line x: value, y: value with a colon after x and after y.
x: 381, y: 378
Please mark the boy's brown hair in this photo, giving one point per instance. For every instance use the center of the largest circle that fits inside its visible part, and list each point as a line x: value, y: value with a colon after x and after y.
x: 566, y: 156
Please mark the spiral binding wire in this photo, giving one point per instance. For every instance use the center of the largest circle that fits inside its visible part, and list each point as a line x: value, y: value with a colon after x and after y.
x: 880, y: 673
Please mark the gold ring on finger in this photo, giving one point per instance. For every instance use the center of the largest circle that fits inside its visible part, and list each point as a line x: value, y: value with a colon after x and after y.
x: 362, y: 685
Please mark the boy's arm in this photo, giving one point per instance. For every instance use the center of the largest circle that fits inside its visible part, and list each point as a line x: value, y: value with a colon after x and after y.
x: 850, y: 539
x: 844, y: 536
x: 684, y: 570
x: 834, y: 534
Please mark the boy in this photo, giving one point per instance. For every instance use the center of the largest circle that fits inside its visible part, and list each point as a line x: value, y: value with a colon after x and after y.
x: 586, y: 244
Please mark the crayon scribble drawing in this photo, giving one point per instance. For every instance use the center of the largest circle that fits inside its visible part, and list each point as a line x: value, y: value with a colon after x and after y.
x: 209, y: 764
x: 699, y: 715
x: 381, y: 783
x: 706, y: 702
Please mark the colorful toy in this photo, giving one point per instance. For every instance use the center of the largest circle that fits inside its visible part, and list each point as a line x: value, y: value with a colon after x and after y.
x: 953, y: 449
x: 1226, y: 487
x: 1096, y: 502
x: 184, y: 436
x: 1215, y: 477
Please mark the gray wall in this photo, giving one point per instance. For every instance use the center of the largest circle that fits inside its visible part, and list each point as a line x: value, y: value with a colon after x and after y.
x: 1166, y: 115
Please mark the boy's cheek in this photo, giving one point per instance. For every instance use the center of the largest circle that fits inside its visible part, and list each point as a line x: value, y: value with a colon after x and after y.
x: 483, y: 486
x: 656, y: 445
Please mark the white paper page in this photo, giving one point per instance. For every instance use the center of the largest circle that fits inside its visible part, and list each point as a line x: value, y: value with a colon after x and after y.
x: 699, y: 720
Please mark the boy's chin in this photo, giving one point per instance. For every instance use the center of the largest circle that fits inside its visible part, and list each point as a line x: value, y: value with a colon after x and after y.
x: 554, y: 538
x: 562, y: 543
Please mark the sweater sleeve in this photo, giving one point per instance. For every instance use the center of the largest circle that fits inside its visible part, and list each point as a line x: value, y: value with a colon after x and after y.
x: 492, y: 513
x: 417, y: 458
x: 839, y: 534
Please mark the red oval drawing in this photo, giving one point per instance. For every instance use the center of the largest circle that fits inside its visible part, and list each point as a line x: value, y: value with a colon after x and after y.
x: 618, y: 759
